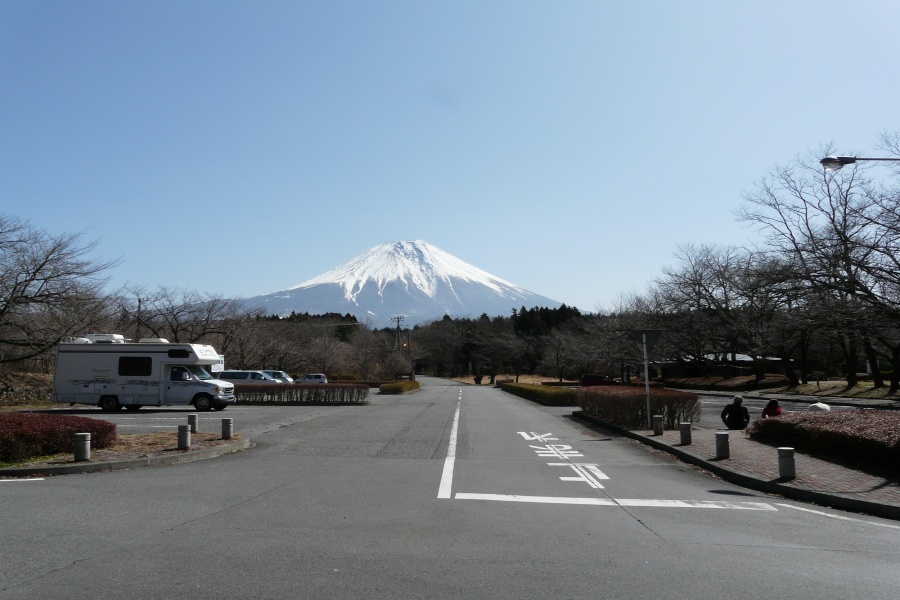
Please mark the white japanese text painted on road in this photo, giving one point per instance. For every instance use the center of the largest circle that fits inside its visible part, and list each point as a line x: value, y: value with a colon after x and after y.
x: 586, y: 473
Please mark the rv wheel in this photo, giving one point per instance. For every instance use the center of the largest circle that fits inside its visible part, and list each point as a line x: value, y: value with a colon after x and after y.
x: 203, y: 403
x: 110, y: 403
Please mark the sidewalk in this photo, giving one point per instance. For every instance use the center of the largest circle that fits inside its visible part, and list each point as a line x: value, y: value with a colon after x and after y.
x: 755, y: 465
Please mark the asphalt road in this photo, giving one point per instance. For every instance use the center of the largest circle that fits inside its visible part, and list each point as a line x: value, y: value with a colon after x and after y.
x: 451, y: 492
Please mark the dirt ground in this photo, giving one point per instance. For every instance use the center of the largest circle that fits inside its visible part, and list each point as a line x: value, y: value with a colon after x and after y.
x: 130, y: 447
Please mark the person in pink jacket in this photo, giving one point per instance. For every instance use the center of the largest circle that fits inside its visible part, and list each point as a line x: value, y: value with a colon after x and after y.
x: 772, y: 409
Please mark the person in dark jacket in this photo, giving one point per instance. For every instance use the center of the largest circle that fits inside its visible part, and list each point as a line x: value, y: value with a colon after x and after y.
x: 736, y: 415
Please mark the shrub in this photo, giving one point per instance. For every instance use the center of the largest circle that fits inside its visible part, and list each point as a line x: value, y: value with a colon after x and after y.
x: 26, y: 435
x: 398, y: 387
x: 548, y: 395
x: 345, y: 377
x: 627, y: 406
x: 732, y: 384
x: 862, y: 433
x: 20, y: 389
x: 300, y: 393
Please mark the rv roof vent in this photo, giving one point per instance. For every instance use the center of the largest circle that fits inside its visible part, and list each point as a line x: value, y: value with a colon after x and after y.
x: 153, y: 341
x: 105, y: 338
x: 75, y: 340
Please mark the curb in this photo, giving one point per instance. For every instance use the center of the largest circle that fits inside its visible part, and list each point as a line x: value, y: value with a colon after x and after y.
x: 887, y: 511
x: 150, y: 461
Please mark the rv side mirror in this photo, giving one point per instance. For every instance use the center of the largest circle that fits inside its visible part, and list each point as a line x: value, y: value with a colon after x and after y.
x: 186, y: 376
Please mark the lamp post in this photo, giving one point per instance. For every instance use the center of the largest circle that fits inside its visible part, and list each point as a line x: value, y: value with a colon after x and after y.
x: 834, y: 163
x: 648, y: 338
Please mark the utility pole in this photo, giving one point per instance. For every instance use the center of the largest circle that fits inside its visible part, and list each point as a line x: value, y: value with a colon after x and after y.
x: 137, y: 326
x: 399, y: 319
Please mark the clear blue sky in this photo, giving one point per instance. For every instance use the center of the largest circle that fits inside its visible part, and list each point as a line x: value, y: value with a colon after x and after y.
x: 569, y: 147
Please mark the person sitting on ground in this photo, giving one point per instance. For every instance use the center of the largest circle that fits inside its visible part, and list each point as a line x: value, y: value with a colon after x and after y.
x: 772, y: 409
x: 819, y: 406
x: 736, y: 415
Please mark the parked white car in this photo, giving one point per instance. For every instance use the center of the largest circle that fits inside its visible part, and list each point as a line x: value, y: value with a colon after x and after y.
x: 313, y: 378
x: 246, y: 377
x: 280, y: 376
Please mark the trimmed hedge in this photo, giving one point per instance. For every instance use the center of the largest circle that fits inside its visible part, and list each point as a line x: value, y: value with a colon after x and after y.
x: 548, y: 395
x: 864, y: 434
x: 26, y: 435
x: 627, y: 406
x: 300, y: 393
x: 733, y: 384
x: 398, y: 387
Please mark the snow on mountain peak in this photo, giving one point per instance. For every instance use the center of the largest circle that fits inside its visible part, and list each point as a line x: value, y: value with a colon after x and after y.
x: 413, y: 279
x: 417, y: 265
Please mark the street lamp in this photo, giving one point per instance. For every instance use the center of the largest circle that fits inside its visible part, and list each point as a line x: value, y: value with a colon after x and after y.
x: 834, y: 163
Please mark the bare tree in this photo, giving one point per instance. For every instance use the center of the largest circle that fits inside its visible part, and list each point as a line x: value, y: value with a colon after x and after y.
x: 823, y: 221
x: 50, y: 288
x: 178, y: 315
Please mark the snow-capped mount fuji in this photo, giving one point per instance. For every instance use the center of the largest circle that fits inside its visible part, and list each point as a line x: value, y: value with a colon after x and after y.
x: 414, y: 279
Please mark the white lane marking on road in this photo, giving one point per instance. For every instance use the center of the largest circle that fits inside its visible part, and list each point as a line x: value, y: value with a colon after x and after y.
x: 536, y: 499
x: 447, y: 476
x: 17, y: 480
x: 695, y: 504
x: 839, y: 517
x: 625, y: 502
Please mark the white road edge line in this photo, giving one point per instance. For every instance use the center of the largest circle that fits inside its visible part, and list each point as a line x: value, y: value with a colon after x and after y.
x: 447, y: 476
x: 625, y: 502
x: 839, y: 517
x: 17, y: 480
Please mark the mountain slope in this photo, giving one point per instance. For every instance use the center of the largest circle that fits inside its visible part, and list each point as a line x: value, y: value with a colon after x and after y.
x: 414, y: 279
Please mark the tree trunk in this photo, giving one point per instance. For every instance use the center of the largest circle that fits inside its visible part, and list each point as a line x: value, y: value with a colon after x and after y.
x: 849, y: 353
x: 789, y: 370
x: 895, y: 370
x: 804, y: 356
x: 872, y: 358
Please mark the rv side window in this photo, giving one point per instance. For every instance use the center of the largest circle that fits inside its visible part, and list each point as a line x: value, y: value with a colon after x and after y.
x: 135, y: 366
x: 179, y: 353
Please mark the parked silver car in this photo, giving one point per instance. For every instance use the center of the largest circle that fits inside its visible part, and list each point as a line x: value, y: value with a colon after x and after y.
x: 313, y: 378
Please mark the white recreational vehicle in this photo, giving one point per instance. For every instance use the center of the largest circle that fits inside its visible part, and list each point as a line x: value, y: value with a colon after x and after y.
x: 111, y: 372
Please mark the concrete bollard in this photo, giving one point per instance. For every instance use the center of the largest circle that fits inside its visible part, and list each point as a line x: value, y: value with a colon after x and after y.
x: 184, y: 437
x: 722, y: 450
x: 193, y: 420
x: 685, y: 434
x: 657, y: 425
x: 227, y: 429
x: 82, y: 447
x: 787, y: 469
